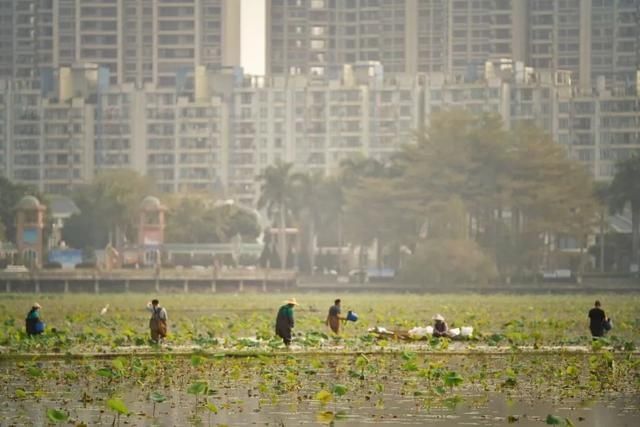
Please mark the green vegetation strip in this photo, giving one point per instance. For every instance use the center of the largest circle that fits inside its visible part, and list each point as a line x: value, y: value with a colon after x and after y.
x: 244, y: 324
x: 490, y: 352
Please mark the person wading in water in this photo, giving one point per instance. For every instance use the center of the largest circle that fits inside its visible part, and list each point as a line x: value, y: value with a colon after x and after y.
x: 597, y: 320
x: 334, y: 318
x: 285, y: 322
x: 158, y: 321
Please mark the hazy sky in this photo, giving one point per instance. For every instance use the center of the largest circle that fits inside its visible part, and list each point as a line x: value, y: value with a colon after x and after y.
x: 253, y: 36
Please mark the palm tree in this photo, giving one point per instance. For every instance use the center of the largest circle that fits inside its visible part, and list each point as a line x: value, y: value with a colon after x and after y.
x: 356, y: 176
x: 625, y: 189
x: 276, y: 195
x: 316, y: 202
x: 353, y: 169
x: 601, y: 193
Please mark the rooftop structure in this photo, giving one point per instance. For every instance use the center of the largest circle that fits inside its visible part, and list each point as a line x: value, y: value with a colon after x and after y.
x: 218, y: 136
x: 589, y: 38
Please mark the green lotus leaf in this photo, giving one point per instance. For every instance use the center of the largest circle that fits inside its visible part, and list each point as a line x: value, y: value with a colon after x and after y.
x: 116, y: 404
x: 157, y: 397
x: 198, y: 388
x: 339, y: 390
x: 56, y: 416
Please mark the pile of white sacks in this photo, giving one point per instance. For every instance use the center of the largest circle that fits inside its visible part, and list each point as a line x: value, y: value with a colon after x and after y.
x: 421, y: 332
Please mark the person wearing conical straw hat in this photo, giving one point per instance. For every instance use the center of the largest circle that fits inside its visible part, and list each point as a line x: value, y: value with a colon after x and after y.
x: 440, y: 328
x: 285, y: 322
x: 33, y: 322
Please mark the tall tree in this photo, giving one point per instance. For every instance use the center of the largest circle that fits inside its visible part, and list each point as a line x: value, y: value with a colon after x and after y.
x: 242, y: 222
x: 625, y: 191
x: 86, y: 229
x: 331, y: 194
x: 191, y: 219
x: 552, y: 194
x: 370, y: 215
x: 197, y: 218
x: 601, y: 193
x: 521, y: 174
x: 309, y: 210
x: 353, y: 169
x: 10, y: 195
x: 276, y: 196
x: 444, y: 253
x: 373, y: 210
x: 465, y: 157
x: 109, y: 206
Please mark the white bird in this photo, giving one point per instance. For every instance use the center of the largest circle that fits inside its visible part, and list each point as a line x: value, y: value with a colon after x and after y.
x: 104, y: 310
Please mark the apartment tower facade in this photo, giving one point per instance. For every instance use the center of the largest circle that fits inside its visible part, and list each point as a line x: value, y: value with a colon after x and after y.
x: 590, y: 38
x: 317, y: 37
x: 138, y: 41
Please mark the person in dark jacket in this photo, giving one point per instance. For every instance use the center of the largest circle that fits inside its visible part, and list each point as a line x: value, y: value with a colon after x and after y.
x: 33, y: 322
x: 285, y: 322
x: 597, y: 317
x: 440, y: 328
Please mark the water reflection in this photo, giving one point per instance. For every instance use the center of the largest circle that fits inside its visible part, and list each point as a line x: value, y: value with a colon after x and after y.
x: 283, y: 391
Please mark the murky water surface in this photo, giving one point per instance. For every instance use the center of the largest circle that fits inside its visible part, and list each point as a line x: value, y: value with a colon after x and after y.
x: 408, y: 389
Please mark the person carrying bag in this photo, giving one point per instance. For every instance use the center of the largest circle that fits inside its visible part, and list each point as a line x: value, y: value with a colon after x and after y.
x: 158, y: 321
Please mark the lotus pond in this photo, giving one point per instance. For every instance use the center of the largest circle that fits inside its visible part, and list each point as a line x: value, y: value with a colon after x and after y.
x: 530, y: 362
x: 408, y: 388
x: 74, y: 322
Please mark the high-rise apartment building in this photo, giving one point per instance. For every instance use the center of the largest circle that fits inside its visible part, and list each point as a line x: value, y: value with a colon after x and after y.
x: 221, y: 135
x: 179, y: 141
x: 138, y: 41
x: 614, y: 41
x: 590, y: 38
x: 431, y: 32
x: 26, y: 37
x: 554, y: 34
x: 44, y: 142
x: 479, y: 31
x: 316, y: 123
x: 599, y: 129
x: 319, y: 36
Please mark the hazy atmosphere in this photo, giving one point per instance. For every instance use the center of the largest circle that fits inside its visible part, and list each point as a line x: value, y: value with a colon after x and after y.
x: 253, y: 47
x: 320, y: 212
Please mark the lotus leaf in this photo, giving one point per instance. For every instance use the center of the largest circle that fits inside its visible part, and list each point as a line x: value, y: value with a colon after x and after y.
x: 157, y: 397
x: 339, y: 390
x: 197, y: 388
x: 323, y: 396
x: 116, y: 404
x: 56, y: 416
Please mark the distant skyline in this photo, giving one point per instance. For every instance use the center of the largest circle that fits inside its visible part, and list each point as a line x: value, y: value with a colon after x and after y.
x: 253, y: 36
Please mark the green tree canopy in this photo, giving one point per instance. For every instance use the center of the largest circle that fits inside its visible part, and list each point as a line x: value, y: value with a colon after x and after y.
x: 518, y: 191
x: 197, y: 218
x: 10, y: 194
x: 513, y: 193
x: 625, y: 191
x: 277, y: 198
x: 109, y: 206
